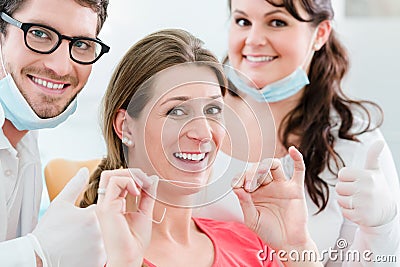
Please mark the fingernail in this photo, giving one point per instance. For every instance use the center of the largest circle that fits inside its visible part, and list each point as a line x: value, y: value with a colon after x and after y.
x: 247, y: 186
x: 153, y: 179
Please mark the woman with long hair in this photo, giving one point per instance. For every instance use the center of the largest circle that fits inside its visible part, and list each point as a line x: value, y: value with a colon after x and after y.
x: 163, y: 125
x: 286, y: 71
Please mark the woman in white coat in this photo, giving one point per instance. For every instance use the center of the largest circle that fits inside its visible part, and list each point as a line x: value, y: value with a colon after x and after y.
x: 291, y: 55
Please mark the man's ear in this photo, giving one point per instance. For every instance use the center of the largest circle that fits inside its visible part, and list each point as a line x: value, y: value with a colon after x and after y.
x: 122, y: 129
x: 323, y: 32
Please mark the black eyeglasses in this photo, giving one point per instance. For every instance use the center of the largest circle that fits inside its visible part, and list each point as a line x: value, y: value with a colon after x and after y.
x: 45, y: 40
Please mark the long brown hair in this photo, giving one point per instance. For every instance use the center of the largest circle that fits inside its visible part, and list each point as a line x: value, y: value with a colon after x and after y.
x: 152, y: 54
x: 309, y: 122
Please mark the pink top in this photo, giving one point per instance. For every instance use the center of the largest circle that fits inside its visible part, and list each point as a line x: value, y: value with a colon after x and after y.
x: 234, y: 245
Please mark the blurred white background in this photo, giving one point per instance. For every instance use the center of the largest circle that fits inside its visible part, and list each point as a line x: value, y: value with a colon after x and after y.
x: 373, y: 44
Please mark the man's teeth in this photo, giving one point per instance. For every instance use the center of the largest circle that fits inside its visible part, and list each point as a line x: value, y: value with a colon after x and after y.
x: 194, y: 157
x: 259, y: 59
x: 47, y: 84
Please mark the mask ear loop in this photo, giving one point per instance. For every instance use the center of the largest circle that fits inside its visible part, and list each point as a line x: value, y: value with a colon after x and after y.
x: 310, y: 48
x: 3, y: 68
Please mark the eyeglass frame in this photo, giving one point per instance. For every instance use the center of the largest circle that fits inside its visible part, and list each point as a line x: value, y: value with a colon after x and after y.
x: 26, y: 26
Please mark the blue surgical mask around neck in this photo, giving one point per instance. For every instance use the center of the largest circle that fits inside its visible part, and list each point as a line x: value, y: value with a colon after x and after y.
x: 19, y: 112
x: 2, y: 117
x: 273, y: 92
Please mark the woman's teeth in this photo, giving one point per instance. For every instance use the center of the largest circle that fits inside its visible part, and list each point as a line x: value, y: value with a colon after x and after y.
x: 188, y: 156
x: 259, y: 59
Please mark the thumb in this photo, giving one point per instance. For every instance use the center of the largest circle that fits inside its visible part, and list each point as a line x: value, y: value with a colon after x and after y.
x: 74, y: 187
x: 372, y: 162
x: 299, y: 166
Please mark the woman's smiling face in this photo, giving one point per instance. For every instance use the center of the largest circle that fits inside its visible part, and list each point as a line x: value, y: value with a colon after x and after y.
x: 266, y: 42
x: 180, y: 130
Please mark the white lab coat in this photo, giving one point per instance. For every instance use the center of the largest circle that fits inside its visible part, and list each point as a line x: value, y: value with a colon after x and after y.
x: 20, y: 195
x: 329, y: 225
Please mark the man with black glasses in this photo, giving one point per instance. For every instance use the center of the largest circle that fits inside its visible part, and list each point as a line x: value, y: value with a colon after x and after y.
x: 47, y: 51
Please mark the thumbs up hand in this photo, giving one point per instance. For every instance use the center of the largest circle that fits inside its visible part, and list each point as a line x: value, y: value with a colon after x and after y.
x: 67, y: 235
x: 363, y: 194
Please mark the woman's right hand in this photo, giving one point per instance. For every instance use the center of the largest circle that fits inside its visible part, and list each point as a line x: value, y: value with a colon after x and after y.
x: 126, y: 234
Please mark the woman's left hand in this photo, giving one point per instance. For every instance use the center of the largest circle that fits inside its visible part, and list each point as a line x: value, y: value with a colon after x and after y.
x: 126, y: 234
x: 276, y: 208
